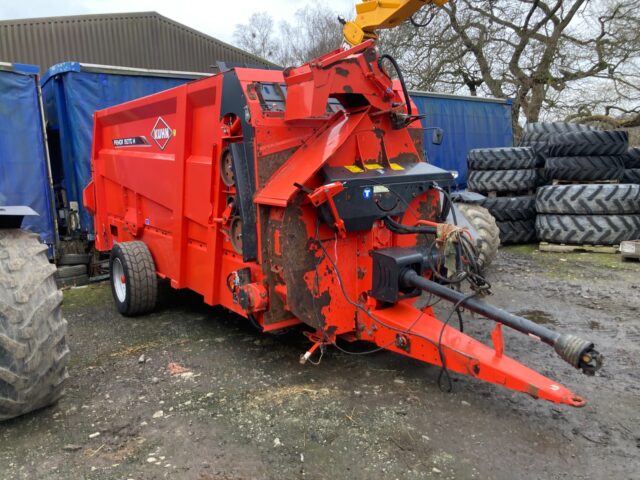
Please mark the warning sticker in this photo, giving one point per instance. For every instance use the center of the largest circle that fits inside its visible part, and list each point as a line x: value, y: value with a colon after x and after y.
x: 354, y: 169
x: 372, y: 166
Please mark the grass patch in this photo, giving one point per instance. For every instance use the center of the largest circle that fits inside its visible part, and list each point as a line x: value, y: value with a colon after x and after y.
x: 90, y: 296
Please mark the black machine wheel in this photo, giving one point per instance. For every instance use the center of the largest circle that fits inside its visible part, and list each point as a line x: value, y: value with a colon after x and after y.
x: 33, y: 348
x: 631, y: 158
x: 74, y: 259
x: 506, y: 209
x: 592, y: 199
x: 71, y: 271
x: 589, y: 143
x: 134, y: 283
x: 483, y: 181
x: 77, y: 281
x: 517, y: 232
x: 512, y: 158
x: 235, y: 234
x: 631, y: 175
x: 226, y: 169
x: 588, y: 229
x: 488, y: 235
x: 540, y: 131
x: 584, y: 168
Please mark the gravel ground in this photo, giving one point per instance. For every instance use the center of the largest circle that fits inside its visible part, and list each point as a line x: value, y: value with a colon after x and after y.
x: 193, y: 392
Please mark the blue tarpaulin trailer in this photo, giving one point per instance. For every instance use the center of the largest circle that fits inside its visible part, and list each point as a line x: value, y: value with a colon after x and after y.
x: 72, y: 93
x: 468, y: 123
x: 24, y: 163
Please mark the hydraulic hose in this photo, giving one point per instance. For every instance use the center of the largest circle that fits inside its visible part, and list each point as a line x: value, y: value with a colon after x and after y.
x: 405, y: 92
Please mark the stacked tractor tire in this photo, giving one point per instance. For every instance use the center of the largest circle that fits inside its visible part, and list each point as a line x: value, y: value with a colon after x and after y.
x: 585, y: 204
x: 631, y: 166
x: 508, y: 177
x: 591, y: 192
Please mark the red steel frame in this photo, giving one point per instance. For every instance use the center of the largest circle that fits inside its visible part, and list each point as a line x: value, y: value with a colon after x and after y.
x: 174, y: 200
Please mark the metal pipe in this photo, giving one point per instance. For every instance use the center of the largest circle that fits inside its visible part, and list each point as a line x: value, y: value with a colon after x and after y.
x: 579, y: 353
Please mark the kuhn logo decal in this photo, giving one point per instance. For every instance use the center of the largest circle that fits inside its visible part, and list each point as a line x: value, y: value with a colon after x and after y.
x: 162, y: 133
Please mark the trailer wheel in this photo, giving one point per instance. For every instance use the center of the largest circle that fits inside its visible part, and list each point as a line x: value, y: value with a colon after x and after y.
x: 488, y: 234
x: 134, y: 283
x: 33, y: 348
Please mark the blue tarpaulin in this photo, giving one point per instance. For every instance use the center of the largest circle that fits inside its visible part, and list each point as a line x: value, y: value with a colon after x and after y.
x: 72, y: 93
x: 24, y: 168
x: 468, y: 123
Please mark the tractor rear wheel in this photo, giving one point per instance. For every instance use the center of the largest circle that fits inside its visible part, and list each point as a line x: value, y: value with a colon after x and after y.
x: 134, y: 283
x: 33, y: 348
x: 488, y: 234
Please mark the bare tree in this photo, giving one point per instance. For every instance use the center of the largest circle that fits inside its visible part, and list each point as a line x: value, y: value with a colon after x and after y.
x: 314, y: 32
x: 542, y: 53
x: 554, y: 58
x: 258, y: 36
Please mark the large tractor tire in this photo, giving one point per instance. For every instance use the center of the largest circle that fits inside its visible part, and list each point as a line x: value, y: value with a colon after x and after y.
x: 134, y: 283
x: 510, y: 158
x: 589, y: 199
x: 631, y: 175
x: 589, y: 143
x: 518, y: 232
x: 585, y: 169
x: 487, y: 233
x: 509, y: 209
x: 632, y: 158
x: 540, y: 131
x: 33, y: 348
x: 588, y: 229
x: 483, y: 181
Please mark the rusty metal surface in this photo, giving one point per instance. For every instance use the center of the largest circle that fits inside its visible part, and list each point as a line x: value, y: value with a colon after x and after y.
x: 141, y: 40
x: 269, y: 164
x: 417, y: 136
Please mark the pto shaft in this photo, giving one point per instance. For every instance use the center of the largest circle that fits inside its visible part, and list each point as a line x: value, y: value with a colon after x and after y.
x: 577, y: 352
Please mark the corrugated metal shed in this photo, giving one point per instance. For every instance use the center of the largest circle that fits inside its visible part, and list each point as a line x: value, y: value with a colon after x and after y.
x: 141, y: 40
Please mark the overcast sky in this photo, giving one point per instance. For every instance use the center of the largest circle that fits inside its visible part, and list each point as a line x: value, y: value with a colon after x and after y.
x: 217, y: 18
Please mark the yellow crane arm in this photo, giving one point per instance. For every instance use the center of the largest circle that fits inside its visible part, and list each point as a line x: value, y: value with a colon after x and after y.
x: 373, y: 15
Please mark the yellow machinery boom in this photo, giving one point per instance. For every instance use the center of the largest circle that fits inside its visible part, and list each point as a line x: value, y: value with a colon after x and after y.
x: 373, y: 15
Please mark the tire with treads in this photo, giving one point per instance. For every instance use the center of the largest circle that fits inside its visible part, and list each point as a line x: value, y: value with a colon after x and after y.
x: 585, y: 169
x: 517, y: 232
x: 77, y: 281
x: 33, y: 348
x: 588, y: 229
x: 510, y: 158
x: 488, y: 234
x: 589, y: 143
x: 631, y: 175
x: 506, y: 209
x: 631, y: 158
x: 69, y: 271
x: 540, y: 131
x: 140, y: 280
x: 591, y: 199
x: 483, y: 181
x: 74, y: 259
